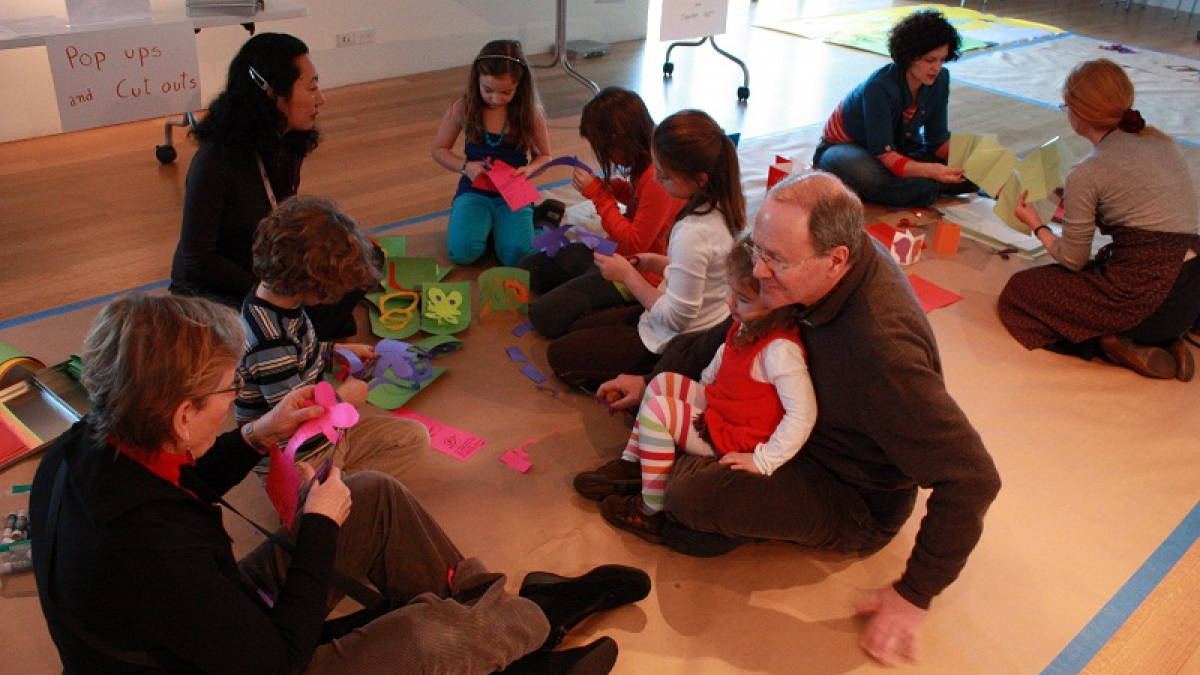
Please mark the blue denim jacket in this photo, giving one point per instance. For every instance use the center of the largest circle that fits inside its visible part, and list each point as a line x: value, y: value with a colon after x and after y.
x: 873, y: 114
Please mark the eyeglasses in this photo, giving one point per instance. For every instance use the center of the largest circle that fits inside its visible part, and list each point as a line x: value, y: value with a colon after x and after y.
x: 236, y: 387
x: 774, y: 264
x: 1063, y: 107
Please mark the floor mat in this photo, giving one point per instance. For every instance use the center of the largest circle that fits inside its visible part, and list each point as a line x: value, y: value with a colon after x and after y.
x: 1168, y: 86
x: 868, y: 31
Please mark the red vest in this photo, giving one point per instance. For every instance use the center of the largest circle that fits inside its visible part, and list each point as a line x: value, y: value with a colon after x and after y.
x: 743, y: 412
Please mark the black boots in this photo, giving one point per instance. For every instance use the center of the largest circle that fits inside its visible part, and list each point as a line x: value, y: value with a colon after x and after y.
x: 596, y: 658
x: 566, y: 601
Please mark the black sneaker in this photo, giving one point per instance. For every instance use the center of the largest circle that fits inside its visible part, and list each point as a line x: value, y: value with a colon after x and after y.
x: 619, y: 477
x: 566, y: 601
x: 597, y: 658
x: 695, y: 543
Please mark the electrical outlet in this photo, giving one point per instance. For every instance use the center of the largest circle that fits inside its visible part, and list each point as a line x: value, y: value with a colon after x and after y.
x: 365, y: 36
x: 344, y: 39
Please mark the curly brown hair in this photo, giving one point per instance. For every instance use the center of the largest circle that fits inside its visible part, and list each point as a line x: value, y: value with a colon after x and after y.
x: 307, y: 245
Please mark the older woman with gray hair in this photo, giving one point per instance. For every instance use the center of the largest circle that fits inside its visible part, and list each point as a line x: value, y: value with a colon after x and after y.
x: 135, y: 570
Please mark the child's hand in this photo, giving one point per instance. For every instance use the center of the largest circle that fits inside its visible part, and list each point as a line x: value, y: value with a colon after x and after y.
x: 365, y: 353
x: 520, y: 171
x: 623, y: 391
x: 740, y: 461
x: 353, y: 391
x: 581, y: 179
x: 614, y: 267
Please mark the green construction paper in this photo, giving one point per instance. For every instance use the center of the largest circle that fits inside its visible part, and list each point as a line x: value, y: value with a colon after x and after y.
x: 392, y: 396
x: 409, y: 273
x: 445, y: 307
x: 989, y: 165
x: 1006, y: 204
x: 393, y: 246
x: 379, y: 329
x: 961, y: 147
x: 439, y: 345
x: 1044, y: 169
x: 493, y: 296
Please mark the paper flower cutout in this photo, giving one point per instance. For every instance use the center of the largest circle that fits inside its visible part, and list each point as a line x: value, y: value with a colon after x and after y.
x: 283, y: 481
x: 408, y: 363
x: 552, y: 239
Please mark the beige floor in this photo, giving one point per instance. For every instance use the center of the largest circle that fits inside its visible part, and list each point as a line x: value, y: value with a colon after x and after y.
x: 1098, y: 463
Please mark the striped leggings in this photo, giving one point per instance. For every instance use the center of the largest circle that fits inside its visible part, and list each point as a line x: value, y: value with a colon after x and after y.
x: 664, y: 424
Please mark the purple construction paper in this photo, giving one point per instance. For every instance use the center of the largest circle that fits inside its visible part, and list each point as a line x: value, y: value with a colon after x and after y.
x: 522, y: 329
x: 531, y: 371
x: 563, y: 161
x: 516, y: 355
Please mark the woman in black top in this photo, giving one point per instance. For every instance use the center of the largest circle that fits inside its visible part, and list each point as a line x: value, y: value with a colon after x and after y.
x: 252, y: 144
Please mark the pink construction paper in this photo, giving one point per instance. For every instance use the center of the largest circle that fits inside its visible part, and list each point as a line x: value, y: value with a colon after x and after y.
x: 930, y: 295
x: 283, y: 480
x: 444, y: 438
x: 517, y: 191
x: 517, y: 459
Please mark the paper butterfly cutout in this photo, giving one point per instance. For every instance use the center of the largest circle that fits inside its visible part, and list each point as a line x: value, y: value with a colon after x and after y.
x: 444, y: 307
x: 283, y: 481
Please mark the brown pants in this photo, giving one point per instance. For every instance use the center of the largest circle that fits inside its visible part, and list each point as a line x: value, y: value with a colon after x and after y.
x: 390, y: 541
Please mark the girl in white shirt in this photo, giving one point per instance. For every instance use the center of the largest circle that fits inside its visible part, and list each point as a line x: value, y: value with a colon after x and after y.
x: 696, y: 161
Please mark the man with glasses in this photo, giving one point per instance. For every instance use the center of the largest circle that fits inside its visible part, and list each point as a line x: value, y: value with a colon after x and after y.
x: 886, y: 424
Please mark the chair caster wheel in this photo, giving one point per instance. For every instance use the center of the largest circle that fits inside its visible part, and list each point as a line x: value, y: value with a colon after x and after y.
x: 165, y: 153
x: 743, y: 93
x: 668, y: 69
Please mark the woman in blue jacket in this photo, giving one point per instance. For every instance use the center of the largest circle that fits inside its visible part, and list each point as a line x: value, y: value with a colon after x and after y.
x: 889, y: 138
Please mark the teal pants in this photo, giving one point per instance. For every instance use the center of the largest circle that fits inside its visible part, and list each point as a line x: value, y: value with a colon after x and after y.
x: 473, y: 217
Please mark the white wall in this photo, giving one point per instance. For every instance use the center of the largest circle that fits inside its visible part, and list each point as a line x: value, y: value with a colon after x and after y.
x: 411, y: 36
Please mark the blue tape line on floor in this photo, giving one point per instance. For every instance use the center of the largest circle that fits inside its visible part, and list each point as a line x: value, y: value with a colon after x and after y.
x: 1080, y: 651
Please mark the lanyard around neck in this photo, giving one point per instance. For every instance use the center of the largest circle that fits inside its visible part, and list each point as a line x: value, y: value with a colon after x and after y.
x: 262, y: 171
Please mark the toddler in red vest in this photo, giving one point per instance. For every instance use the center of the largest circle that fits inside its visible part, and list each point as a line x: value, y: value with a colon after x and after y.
x: 753, y: 408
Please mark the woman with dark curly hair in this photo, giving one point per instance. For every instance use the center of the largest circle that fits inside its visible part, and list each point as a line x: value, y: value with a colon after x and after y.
x: 252, y: 143
x: 1131, y: 302
x: 889, y: 138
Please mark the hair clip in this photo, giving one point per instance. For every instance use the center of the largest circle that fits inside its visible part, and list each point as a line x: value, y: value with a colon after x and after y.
x: 506, y: 57
x: 258, y: 79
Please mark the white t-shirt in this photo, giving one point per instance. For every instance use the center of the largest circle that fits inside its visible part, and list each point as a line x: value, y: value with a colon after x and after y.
x: 694, y: 286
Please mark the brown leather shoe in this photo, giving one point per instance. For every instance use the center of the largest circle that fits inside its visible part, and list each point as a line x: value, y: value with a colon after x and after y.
x: 618, y: 477
x: 1185, y: 365
x: 1144, y: 360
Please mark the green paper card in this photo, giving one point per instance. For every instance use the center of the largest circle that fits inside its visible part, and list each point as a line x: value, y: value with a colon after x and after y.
x: 391, y: 396
x: 398, y: 323
x: 393, y: 246
x: 439, y: 345
x: 409, y: 273
x: 445, y: 307
x: 504, y: 288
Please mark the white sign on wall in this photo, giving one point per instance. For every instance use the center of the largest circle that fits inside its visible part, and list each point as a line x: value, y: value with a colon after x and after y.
x: 687, y: 19
x: 112, y: 76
